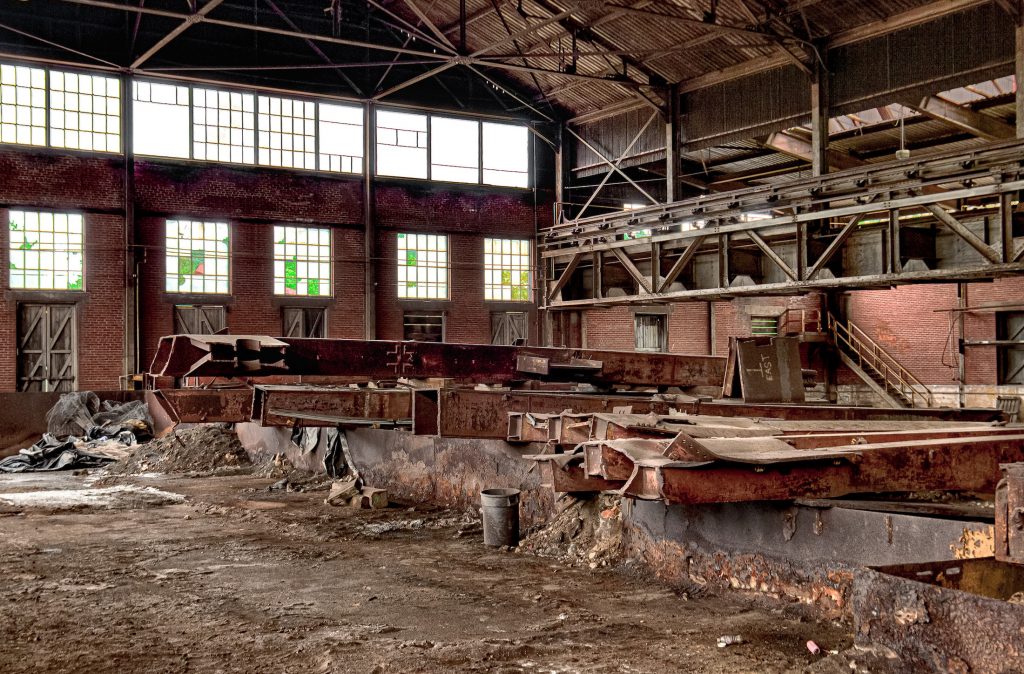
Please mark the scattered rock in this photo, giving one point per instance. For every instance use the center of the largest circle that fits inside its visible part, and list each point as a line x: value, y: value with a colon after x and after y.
x: 203, y: 449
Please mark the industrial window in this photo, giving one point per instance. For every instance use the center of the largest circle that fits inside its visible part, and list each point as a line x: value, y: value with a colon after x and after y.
x: 506, y: 156
x: 1010, y: 351
x: 764, y: 326
x: 46, y: 250
x: 649, y: 332
x: 422, y: 266
x: 85, y: 112
x: 341, y: 138
x: 287, y: 132
x: 454, y: 150
x: 302, y: 261
x: 305, y: 322
x: 401, y: 144
x: 507, y: 270
x: 198, y: 254
x: 22, y: 105
x: 223, y: 126
x: 423, y: 326
x: 160, y: 119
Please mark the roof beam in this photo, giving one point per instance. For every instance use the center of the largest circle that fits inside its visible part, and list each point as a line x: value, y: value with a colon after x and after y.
x: 794, y: 146
x: 190, y: 20
x: 963, y: 118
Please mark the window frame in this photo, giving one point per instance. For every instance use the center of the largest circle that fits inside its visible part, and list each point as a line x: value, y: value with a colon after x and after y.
x: 513, y: 269
x: 399, y: 283
x: 229, y: 257
x: 82, y: 252
x: 329, y: 261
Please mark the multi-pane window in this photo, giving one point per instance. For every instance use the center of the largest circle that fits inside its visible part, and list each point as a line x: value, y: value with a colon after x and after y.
x: 85, y: 112
x: 198, y: 254
x: 401, y: 144
x: 160, y: 119
x: 223, y: 126
x: 423, y: 266
x: 287, y: 132
x: 507, y: 270
x: 302, y: 261
x: 22, y: 105
x: 454, y: 150
x: 506, y: 156
x: 341, y: 138
x: 46, y: 250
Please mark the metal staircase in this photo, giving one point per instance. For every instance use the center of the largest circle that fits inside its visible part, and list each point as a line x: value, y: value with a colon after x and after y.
x: 879, y: 370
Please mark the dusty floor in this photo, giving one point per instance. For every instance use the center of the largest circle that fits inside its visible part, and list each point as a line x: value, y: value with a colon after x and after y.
x: 234, y: 578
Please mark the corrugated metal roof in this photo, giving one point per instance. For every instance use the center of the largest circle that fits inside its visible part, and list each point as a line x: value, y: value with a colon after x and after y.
x: 676, y: 49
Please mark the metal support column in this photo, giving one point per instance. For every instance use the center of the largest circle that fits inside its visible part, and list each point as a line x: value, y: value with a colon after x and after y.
x: 369, y: 229
x: 820, y: 99
x: 1018, y: 71
x: 672, y: 145
x: 131, y: 304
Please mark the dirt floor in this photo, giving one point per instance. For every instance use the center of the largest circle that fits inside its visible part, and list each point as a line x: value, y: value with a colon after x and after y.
x: 218, y: 574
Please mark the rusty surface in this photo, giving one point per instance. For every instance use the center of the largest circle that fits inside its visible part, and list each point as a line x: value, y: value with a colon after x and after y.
x: 324, y: 406
x: 1009, y: 531
x: 801, y: 554
x: 943, y: 616
x: 685, y: 470
x: 196, y: 406
x: 256, y: 356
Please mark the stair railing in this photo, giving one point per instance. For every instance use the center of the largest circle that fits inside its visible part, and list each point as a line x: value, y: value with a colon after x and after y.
x: 871, y: 356
x: 796, y: 321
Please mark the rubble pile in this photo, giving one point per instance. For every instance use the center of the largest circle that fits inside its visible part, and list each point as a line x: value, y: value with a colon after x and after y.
x: 203, y: 449
x: 587, y: 530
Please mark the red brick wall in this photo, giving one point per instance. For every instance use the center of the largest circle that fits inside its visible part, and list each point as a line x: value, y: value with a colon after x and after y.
x: 252, y: 200
x: 688, y: 331
x: 905, y: 322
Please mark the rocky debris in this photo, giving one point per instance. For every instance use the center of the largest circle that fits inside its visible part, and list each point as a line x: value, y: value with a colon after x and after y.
x: 204, y: 449
x: 350, y: 491
x: 587, y: 530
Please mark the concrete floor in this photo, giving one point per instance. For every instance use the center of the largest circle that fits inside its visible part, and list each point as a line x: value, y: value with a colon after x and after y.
x: 221, y: 575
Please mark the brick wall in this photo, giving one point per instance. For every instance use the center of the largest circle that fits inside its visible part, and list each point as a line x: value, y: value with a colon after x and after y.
x: 252, y: 200
x: 688, y: 329
x: 905, y: 322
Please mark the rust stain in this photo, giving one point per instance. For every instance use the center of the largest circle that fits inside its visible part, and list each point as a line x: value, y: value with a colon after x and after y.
x: 973, y: 544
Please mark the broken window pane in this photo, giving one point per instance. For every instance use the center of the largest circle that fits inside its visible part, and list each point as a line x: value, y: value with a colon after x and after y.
x: 85, y: 111
x: 302, y: 261
x: 341, y: 138
x: 198, y: 254
x: 506, y: 155
x: 422, y: 266
x: 160, y: 119
x: 401, y: 144
x: 454, y: 150
x: 223, y: 126
x: 22, y: 105
x: 287, y: 132
x: 507, y: 270
x: 46, y: 250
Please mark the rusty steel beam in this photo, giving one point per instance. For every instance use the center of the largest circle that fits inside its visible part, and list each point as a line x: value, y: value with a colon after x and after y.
x: 257, y: 356
x: 324, y: 406
x: 198, y: 406
x: 960, y: 464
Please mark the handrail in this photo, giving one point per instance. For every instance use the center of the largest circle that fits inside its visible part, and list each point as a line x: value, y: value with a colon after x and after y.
x: 809, y: 321
x: 894, y: 376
